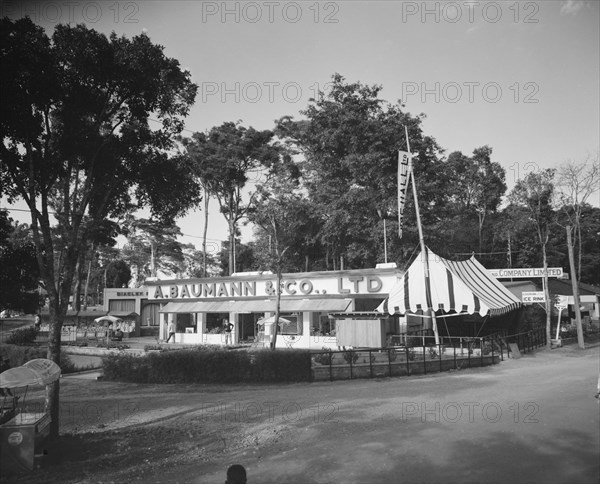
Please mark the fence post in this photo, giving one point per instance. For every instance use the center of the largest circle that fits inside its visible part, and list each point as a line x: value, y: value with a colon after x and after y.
x: 469, y: 354
x: 331, y: 366
x: 424, y: 361
x: 481, y: 352
x: 370, y: 364
x: 390, y: 361
x: 454, y: 350
x: 492, y: 343
x: 350, y: 355
x: 407, y: 362
x: 440, y: 355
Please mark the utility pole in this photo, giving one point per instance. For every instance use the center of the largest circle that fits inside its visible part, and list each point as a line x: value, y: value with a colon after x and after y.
x: 575, y: 286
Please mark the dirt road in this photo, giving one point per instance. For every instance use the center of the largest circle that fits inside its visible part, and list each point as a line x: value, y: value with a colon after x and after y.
x: 529, y: 420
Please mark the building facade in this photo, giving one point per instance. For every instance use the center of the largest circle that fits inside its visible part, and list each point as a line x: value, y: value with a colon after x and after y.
x: 201, y: 309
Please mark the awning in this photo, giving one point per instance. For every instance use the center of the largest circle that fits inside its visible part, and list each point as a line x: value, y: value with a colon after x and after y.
x: 257, y: 306
x: 461, y: 287
x: 358, y: 315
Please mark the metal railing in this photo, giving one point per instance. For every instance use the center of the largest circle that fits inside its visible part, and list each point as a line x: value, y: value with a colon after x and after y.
x: 404, y: 360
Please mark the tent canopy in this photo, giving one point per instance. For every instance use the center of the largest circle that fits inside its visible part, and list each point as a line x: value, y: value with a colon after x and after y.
x: 456, y: 286
x: 35, y: 372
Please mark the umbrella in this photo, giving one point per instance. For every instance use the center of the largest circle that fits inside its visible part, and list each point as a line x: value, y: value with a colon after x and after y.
x: 109, y: 318
x: 271, y: 319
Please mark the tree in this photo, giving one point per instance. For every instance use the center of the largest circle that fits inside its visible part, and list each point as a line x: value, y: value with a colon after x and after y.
x: 274, y: 211
x: 348, y: 150
x: 117, y: 273
x: 536, y: 194
x: 225, y: 157
x: 478, y: 184
x: 576, y: 183
x: 19, y: 275
x: 152, y: 246
x: 77, y: 146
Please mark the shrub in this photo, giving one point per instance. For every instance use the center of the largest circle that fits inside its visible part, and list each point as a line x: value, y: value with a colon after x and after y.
x: 124, y: 367
x: 193, y: 366
x: 22, y: 336
x: 278, y: 366
x: 17, y: 355
x: 350, y: 356
x: 324, y: 358
x: 113, y: 345
x: 413, y: 341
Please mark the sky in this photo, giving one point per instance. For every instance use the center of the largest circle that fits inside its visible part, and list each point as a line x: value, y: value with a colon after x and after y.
x: 521, y: 77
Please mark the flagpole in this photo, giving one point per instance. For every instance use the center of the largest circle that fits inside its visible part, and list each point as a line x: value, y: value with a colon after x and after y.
x: 422, y: 242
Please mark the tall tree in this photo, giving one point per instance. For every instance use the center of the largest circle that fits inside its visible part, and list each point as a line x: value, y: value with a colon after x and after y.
x: 536, y: 194
x: 576, y: 183
x: 76, y: 141
x: 478, y: 185
x: 275, y: 212
x: 348, y: 147
x: 152, y: 246
x: 225, y: 157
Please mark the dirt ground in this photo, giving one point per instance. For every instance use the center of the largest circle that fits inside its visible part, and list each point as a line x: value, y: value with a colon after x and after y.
x: 528, y: 420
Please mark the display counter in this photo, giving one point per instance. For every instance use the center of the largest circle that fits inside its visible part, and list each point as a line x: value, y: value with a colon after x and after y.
x: 21, y: 438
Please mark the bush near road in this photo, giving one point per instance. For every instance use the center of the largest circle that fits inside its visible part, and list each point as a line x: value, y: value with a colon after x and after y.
x: 193, y: 366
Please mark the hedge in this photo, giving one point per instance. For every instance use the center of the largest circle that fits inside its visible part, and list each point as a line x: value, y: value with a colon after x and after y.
x: 22, y: 336
x: 17, y: 355
x: 192, y: 366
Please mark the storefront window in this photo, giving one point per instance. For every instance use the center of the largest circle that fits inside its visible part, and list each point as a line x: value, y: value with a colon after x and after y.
x: 214, y: 322
x: 184, y: 320
x: 294, y: 326
x: 323, y: 325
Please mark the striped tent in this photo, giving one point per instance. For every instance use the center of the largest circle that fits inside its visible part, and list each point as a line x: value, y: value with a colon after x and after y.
x: 456, y: 287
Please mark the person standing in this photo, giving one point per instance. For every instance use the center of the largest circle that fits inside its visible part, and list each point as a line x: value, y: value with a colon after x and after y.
x: 228, y: 328
x: 171, y: 331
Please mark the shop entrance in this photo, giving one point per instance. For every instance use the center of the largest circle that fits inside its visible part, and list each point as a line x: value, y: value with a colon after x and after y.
x: 247, y: 325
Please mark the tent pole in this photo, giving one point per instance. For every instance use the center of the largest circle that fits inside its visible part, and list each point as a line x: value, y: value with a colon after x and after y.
x: 422, y: 242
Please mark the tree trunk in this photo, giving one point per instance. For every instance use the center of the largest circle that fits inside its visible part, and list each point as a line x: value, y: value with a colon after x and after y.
x: 77, y: 286
x: 87, y: 278
x: 53, y: 390
x: 277, y: 306
x: 575, y: 287
x: 579, y: 245
x: 481, y: 219
x: 152, y: 259
x: 206, y: 201
x: 547, y: 297
x: 231, y: 246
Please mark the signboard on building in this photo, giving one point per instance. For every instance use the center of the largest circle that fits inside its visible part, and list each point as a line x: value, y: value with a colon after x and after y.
x: 344, y: 285
x: 533, y: 297
x: 526, y: 273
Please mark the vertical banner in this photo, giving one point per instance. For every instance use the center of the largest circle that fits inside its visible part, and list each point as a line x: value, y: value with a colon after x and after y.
x: 403, y: 179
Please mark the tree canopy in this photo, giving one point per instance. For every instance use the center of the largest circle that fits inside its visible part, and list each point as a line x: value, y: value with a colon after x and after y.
x: 77, y: 142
